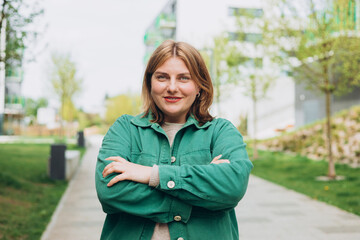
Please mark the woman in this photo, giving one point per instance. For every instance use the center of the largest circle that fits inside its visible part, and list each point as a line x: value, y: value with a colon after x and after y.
x: 173, y: 172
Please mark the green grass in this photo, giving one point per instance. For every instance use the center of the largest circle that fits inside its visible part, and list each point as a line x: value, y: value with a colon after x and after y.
x: 299, y: 173
x: 27, y: 196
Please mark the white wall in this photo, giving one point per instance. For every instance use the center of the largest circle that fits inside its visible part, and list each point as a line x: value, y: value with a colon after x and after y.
x: 197, y: 22
x: 277, y: 111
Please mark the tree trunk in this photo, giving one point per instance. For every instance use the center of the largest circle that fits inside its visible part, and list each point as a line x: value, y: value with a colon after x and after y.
x: 2, y: 17
x: 331, y: 168
x: 2, y: 65
x: 61, y: 118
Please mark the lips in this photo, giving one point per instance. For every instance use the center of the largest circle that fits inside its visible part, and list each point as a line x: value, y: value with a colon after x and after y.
x: 172, y: 99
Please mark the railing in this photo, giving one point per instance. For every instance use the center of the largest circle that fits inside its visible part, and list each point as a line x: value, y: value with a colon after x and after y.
x: 14, y: 74
x: 13, y: 99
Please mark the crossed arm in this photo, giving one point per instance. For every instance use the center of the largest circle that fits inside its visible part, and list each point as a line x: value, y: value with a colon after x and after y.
x: 123, y: 185
x: 135, y: 172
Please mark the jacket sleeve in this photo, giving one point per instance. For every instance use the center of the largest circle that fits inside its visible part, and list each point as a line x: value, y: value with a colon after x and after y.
x: 212, y: 186
x: 127, y: 196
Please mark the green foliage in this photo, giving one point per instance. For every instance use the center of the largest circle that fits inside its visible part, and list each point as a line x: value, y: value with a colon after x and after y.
x: 324, y: 49
x: 243, y: 126
x: 321, y: 44
x: 64, y: 80
x: 89, y: 119
x: 255, y: 44
x: 19, y: 15
x: 121, y: 104
x: 299, y: 173
x: 248, y: 62
x: 65, y: 83
x: 27, y: 196
x: 69, y: 111
x: 32, y: 105
x: 220, y: 59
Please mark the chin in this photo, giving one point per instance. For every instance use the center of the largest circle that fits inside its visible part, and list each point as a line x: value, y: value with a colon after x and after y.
x: 171, y: 114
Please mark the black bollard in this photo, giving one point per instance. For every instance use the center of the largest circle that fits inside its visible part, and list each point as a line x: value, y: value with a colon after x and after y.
x: 81, y: 139
x: 57, y: 162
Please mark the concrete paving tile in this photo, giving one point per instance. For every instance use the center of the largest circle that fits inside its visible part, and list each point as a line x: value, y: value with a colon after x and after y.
x: 282, y: 214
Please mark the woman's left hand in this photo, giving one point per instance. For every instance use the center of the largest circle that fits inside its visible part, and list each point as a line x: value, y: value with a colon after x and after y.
x: 127, y: 171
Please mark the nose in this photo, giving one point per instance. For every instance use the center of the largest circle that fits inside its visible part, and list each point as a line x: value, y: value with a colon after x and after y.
x: 172, y: 86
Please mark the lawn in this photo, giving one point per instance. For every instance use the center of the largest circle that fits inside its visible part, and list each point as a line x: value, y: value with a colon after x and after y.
x: 299, y: 173
x: 27, y: 196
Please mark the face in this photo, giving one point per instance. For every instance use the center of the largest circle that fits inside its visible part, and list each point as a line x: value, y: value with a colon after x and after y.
x: 173, y: 90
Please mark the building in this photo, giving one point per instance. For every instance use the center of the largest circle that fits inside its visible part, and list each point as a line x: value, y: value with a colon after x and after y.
x: 11, y: 101
x: 163, y: 27
x: 310, y: 105
x: 197, y: 22
x: 14, y: 109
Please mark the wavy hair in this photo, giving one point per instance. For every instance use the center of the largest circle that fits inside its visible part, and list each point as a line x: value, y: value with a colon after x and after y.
x: 198, y: 71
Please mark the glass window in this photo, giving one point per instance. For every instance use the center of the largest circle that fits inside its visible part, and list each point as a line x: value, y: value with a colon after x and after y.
x: 249, y: 12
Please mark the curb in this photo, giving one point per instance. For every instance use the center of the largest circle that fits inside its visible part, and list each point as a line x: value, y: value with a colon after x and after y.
x: 50, y: 226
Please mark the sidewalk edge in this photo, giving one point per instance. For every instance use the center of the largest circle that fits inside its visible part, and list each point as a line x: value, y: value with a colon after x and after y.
x: 49, y: 227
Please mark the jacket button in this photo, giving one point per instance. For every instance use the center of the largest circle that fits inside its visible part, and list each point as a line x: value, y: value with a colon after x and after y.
x: 177, y: 218
x: 171, y: 184
x: 173, y: 159
x: 180, y: 238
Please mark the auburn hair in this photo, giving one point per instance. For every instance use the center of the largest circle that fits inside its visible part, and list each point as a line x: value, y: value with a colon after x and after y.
x: 198, y: 71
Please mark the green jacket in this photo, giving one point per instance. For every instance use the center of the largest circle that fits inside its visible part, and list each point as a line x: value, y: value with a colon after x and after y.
x: 194, y: 197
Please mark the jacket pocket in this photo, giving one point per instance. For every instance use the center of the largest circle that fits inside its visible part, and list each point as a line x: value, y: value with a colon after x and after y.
x: 142, y: 158
x: 197, y: 157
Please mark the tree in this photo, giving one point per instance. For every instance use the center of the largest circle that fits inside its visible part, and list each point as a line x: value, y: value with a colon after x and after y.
x: 217, y: 57
x: 89, y: 119
x: 15, y: 18
x: 65, y: 84
x: 32, y: 106
x: 243, y: 125
x: 69, y: 111
x: 18, y: 15
x: 322, y: 46
x: 121, y: 104
x: 254, y: 40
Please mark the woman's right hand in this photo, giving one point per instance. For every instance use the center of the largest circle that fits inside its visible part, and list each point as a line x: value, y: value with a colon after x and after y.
x: 217, y: 160
x: 126, y: 171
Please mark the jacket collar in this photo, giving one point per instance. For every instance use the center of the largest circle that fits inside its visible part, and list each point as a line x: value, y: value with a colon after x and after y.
x: 145, y: 121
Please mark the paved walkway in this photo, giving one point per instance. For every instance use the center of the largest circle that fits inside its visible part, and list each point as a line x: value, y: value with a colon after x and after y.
x: 268, y: 211
x: 79, y: 215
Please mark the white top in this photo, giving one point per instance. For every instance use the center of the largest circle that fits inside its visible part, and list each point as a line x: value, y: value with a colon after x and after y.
x: 161, y: 231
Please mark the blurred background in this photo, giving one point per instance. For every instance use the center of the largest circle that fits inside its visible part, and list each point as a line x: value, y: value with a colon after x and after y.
x: 109, y: 45
x: 285, y: 73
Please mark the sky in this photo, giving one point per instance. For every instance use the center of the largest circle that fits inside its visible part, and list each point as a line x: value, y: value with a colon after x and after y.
x: 104, y: 38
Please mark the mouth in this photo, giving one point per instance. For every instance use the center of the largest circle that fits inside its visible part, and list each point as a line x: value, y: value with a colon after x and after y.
x: 172, y: 99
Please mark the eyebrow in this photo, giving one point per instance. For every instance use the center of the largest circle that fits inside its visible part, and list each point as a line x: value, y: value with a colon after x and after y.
x: 185, y: 73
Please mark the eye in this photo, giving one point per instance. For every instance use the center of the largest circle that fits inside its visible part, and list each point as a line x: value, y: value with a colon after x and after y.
x: 184, y: 78
x: 160, y: 77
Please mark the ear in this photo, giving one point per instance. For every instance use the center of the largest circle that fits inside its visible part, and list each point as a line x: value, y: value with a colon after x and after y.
x: 198, y: 89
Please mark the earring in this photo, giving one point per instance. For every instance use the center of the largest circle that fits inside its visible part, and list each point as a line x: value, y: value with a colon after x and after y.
x: 198, y: 95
